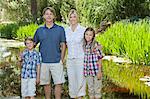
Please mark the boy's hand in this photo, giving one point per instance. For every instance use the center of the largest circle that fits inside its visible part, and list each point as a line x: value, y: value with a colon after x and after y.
x: 99, y: 75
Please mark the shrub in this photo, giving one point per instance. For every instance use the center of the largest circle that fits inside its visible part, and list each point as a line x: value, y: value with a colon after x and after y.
x: 128, y: 40
x: 27, y: 30
x: 8, y: 30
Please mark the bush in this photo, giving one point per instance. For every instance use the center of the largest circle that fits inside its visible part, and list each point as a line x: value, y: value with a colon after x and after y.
x: 128, y: 40
x: 27, y: 30
x: 8, y: 30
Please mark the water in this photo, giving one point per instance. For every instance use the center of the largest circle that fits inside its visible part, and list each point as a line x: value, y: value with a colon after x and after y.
x: 10, y: 78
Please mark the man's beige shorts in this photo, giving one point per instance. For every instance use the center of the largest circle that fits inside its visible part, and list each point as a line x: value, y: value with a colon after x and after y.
x: 51, y: 69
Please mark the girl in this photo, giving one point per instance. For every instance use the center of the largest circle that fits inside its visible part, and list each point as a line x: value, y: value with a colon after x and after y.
x: 92, y: 64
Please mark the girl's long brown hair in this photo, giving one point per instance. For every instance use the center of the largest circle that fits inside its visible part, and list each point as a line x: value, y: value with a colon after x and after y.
x: 93, y: 43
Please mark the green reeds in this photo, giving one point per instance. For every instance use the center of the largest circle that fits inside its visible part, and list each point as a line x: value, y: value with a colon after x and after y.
x: 127, y: 76
x: 131, y: 40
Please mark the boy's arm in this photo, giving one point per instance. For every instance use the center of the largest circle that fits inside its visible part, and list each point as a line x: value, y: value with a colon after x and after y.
x: 39, y: 59
x: 38, y: 74
x: 20, y: 59
x: 63, y: 51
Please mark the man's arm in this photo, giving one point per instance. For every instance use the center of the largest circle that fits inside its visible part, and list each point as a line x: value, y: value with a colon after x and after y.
x: 63, y: 51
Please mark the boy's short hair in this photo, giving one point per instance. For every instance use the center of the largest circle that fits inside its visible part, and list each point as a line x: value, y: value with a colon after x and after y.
x: 28, y: 38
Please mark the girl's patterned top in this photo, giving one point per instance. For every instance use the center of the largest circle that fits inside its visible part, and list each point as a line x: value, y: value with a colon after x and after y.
x: 30, y: 62
x: 91, y: 57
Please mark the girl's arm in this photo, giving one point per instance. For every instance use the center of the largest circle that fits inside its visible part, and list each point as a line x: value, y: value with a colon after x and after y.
x: 99, y: 74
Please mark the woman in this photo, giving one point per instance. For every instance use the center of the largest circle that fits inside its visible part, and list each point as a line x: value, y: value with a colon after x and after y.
x: 74, y: 38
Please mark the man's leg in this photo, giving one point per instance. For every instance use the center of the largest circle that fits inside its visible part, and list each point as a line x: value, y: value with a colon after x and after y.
x: 47, y: 90
x: 58, y: 88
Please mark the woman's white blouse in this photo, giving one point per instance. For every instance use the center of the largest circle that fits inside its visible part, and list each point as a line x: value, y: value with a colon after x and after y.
x: 75, y: 41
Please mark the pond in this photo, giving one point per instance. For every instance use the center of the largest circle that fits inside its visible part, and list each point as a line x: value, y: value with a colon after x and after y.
x: 10, y: 78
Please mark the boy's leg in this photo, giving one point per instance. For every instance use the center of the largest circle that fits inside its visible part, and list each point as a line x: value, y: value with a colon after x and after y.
x: 27, y: 97
x: 32, y: 87
x: 32, y: 97
x: 24, y: 87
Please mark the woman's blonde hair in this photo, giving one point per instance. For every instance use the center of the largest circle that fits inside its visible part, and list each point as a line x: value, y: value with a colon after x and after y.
x: 73, y: 11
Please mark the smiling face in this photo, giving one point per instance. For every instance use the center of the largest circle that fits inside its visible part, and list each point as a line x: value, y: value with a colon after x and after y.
x: 49, y: 16
x: 89, y: 36
x: 73, y: 19
x: 29, y: 44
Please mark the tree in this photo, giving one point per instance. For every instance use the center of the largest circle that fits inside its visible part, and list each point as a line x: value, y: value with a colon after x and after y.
x: 34, y: 10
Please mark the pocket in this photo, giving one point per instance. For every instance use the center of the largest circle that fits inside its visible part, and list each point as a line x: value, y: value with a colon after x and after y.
x: 61, y: 62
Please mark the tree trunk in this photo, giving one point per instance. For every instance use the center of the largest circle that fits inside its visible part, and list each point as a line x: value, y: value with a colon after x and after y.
x: 34, y: 10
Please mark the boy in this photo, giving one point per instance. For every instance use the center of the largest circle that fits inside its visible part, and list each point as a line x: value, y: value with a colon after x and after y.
x: 30, y: 69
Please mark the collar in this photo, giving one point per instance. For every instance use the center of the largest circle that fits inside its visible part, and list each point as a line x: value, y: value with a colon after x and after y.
x: 78, y: 26
x: 54, y: 25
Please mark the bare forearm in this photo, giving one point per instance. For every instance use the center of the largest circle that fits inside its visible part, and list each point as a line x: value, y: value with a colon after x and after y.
x: 38, y: 71
x: 63, y: 51
x: 100, y: 64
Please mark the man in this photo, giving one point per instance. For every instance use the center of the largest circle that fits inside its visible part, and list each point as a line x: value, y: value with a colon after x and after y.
x: 52, y: 47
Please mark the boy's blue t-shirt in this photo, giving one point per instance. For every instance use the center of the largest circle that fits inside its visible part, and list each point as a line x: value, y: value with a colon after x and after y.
x: 50, y: 39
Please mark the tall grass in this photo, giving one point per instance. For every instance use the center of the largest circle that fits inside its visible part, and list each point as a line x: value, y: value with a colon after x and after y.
x: 131, y: 40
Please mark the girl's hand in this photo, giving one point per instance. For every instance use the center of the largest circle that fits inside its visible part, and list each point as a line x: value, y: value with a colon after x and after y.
x: 99, y: 75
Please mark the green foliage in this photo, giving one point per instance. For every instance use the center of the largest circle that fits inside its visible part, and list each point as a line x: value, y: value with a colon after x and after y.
x: 27, y: 30
x: 130, y: 40
x: 10, y: 80
x: 17, y: 10
x: 65, y: 8
x: 127, y: 76
x: 129, y: 8
x: 92, y: 12
x: 8, y: 30
x: 61, y: 24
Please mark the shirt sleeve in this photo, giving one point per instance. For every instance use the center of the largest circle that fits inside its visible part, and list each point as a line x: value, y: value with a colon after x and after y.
x: 63, y: 35
x: 36, y: 37
x: 39, y: 58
